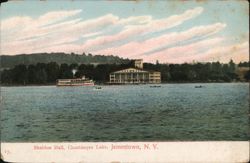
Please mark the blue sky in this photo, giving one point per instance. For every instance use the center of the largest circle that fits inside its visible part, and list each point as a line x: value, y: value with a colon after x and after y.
x: 168, y: 31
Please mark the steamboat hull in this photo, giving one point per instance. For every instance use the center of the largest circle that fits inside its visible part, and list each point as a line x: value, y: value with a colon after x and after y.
x: 84, y: 84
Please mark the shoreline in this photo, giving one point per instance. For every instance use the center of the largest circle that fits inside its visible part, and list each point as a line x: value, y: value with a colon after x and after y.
x: 106, y: 84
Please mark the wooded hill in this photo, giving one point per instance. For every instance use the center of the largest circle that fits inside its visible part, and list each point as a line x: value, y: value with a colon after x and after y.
x: 60, y: 58
x: 48, y: 73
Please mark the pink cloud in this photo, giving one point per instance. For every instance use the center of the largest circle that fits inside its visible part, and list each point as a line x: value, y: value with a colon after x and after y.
x: 238, y: 52
x: 181, y: 54
x: 133, y: 49
x: 136, y: 30
x: 32, y: 35
x: 51, y: 29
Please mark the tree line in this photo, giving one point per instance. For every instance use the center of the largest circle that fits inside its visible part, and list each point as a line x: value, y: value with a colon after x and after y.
x: 200, y: 72
x: 8, y: 61
x: 48, y: 73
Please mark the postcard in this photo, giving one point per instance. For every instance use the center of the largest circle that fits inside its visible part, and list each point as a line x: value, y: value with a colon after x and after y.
x: 125, y: 81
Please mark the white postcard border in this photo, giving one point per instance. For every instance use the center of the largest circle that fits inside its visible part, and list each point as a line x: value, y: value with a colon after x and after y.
x: 212, y: 151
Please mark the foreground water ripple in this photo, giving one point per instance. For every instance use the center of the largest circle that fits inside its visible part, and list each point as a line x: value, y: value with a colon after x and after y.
x: 126, y: 113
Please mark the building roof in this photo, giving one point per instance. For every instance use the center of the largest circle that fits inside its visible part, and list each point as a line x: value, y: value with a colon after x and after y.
x: 127, y: 70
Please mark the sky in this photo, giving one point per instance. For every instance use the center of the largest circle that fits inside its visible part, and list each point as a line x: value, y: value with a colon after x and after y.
x: 170, y: 31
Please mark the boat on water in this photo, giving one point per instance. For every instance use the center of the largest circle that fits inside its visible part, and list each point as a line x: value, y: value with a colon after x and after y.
x: 75, y: 82
x: 155, y: 86
x: 98, y: 87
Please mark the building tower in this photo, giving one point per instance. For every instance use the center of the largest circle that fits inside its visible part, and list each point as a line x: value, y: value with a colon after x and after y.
x: 138, y: 63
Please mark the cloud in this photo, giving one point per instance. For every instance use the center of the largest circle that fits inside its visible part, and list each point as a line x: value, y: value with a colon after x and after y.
x: 140, y: 36
x: 30, y: 35
x: 20, y: 28
x: 54, y: 16
x: 186, y: 53
x: 238, y: 52
x: 137, y: 30
x: 34, y: 34
x: 28, y: 22
x: 91, y: 34
x: 202, y: 52
x: 135, y: 20
x: 136, y: 48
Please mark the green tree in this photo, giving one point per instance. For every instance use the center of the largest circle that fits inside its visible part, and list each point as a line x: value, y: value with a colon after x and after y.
x: 32, y: 74
x: 6, y: 77
x: 52, y: 71
x: 65, y: 72
x: 20, y: 74
x: 232, y: 66
x: 247, y: 75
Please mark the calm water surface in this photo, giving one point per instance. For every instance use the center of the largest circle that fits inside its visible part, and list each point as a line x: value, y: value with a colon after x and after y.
x: 125, y: 113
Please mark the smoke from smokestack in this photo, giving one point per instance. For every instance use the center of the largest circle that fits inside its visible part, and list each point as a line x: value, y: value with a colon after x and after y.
x: 74, y: 72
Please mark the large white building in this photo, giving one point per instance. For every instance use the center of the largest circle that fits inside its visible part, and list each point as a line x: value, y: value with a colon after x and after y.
x: 135, y: 75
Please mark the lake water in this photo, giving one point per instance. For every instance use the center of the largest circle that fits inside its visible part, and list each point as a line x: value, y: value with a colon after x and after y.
x: 173, y: 112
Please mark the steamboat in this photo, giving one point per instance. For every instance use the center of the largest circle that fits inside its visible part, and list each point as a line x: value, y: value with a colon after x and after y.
x: 75, y: 82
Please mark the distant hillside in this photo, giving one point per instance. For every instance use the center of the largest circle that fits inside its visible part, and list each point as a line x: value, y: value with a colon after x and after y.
x: 11, y: 61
